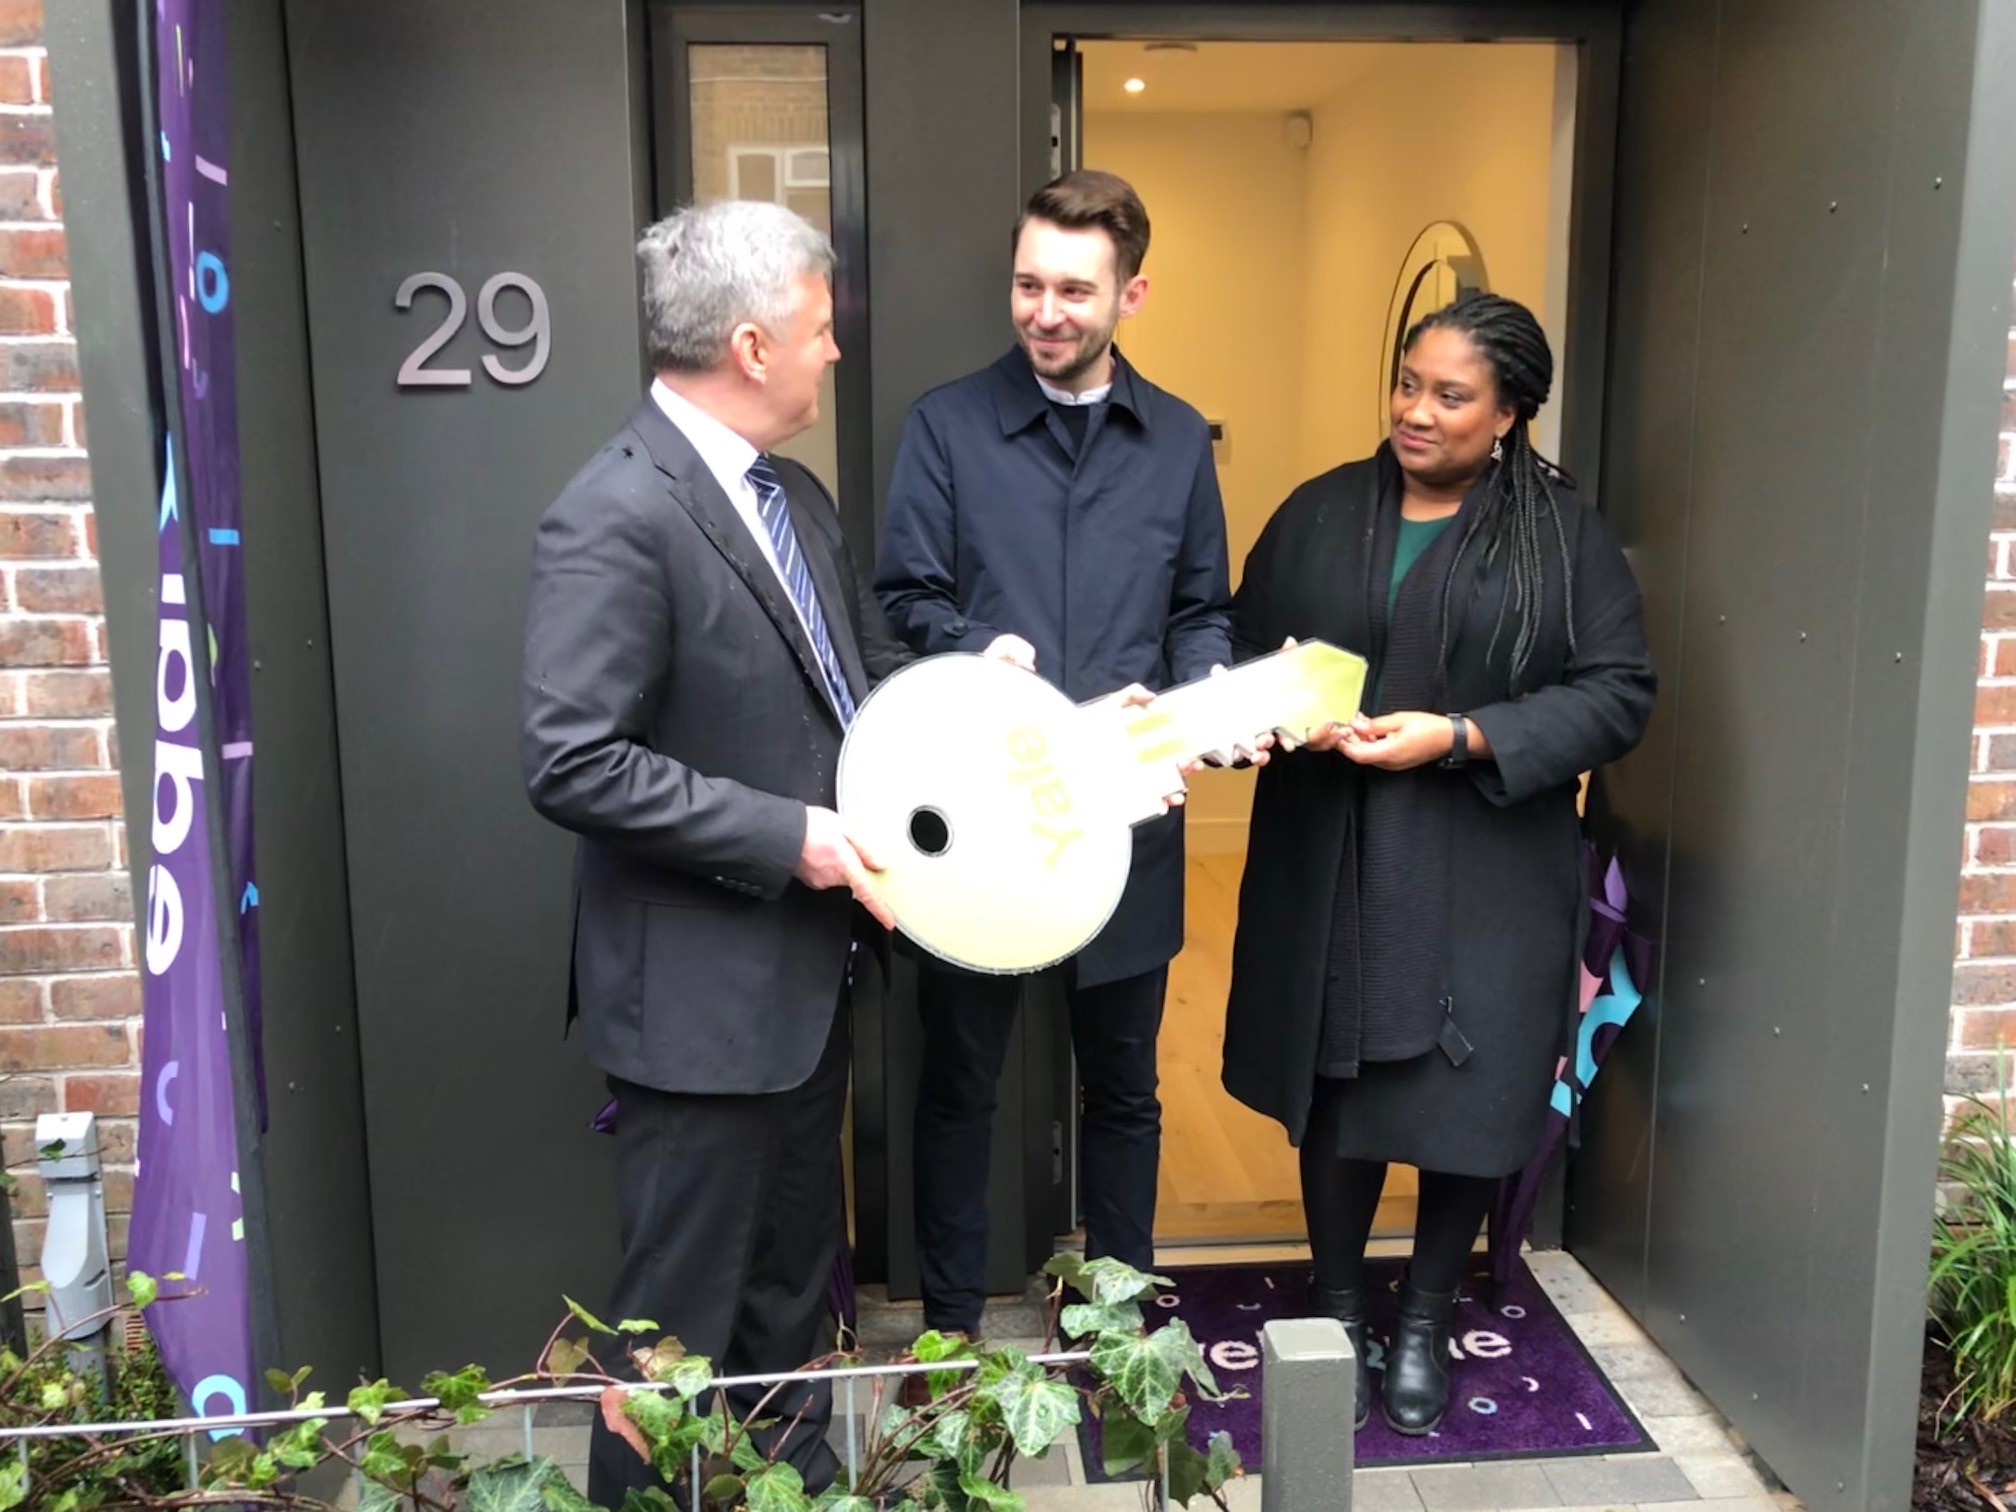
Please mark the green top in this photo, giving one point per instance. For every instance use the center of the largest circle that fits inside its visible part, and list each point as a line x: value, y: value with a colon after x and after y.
x: 1416, y: 536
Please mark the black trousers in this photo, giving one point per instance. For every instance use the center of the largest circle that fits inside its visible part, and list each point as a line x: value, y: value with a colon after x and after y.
x: 967, y: 1023
x: 731, y: 1211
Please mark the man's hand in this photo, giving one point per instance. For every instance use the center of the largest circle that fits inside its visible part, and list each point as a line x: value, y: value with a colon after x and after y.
x: 1398, y: 742
x: 1013, y: 650
x: 831, y: 858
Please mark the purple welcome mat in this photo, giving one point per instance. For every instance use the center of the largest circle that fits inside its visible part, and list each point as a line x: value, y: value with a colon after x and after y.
x: 1524, y: 1386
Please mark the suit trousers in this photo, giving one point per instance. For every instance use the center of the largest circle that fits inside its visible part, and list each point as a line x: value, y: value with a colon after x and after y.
x: 732, y: 1212
x: 967, y: 1023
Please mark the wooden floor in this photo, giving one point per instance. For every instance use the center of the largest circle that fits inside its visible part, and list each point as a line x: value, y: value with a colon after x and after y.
x: 1228, y: 1174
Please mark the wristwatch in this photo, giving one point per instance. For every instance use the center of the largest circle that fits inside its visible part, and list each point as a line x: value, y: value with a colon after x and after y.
x: 1459, y: 742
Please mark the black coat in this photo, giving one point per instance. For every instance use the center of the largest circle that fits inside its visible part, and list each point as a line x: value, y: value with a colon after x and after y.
x: 674, y: 717
x: 1110, y: 562
x: 1514, y: 870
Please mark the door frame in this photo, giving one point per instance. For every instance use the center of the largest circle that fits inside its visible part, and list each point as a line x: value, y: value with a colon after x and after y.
x: 1594, y: 28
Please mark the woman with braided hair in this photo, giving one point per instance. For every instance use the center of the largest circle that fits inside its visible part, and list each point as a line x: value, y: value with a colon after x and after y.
x: 1404, y: 973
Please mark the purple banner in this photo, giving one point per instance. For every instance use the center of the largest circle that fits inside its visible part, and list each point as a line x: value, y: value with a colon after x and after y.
x: 188, y: 1216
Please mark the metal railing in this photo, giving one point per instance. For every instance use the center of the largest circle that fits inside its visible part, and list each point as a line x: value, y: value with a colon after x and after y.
x: 1308, y: 1377
x: 846, y: 1380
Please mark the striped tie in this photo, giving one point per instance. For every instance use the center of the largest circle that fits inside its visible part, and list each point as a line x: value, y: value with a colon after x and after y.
x: 775, y: 513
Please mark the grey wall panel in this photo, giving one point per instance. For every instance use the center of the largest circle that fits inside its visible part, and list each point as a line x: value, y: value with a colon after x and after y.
x: 1793, y: 424
x: 469, y: 139
x: 318, y: 1192
x: 943, y: 191
x: 1662, y: 177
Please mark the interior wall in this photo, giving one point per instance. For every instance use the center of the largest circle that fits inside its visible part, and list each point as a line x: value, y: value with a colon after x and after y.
x: 1382, y: 167
x: 1226, y: 196
x: 1272, y: 267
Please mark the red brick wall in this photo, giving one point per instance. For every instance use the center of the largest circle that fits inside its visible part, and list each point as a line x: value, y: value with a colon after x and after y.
x: 69, y: 996
x: 1984, y: 974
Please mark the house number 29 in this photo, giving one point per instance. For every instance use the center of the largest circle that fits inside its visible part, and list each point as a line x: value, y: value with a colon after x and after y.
x: 537, y: 333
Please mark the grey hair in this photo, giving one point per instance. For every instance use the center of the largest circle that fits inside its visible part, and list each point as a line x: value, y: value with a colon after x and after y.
x: 709, y: 268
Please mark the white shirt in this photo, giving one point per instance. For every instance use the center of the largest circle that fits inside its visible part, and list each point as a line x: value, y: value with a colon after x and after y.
x: 729, y: 458
x: 1098, y: 395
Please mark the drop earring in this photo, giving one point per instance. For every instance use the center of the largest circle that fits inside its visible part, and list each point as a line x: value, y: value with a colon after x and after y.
x: 1497, y: 448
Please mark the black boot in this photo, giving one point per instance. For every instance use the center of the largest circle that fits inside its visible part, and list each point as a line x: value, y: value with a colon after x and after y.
x: 1347, y: 1306
x: 1416, y: 1392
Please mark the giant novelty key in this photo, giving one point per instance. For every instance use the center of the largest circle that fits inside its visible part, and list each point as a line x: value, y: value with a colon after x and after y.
x: 1003, y: 813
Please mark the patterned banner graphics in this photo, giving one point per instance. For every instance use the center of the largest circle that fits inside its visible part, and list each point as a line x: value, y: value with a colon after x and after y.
x: 188, y: 1217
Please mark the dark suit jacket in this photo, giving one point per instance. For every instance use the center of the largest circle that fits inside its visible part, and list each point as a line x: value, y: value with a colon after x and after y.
x: 674, y: 717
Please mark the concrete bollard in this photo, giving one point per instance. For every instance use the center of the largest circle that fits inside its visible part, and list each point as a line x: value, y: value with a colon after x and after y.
x: 1308, y: 1381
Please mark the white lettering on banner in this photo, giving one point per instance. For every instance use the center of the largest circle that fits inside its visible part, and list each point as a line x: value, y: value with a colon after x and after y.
x: 178, y: 766
x: 181, y: 766
x: 174, y: 714
x: 164, y: 922
x: 1230, y: 1354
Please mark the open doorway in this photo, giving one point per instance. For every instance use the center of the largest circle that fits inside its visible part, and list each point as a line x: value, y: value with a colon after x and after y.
x: 1306, y: 209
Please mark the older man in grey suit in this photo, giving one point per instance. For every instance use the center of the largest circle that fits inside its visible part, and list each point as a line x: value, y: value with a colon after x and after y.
x: 695, y: 645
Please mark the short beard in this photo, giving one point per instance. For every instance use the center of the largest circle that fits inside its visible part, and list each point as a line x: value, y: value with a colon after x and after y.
x: 1081, y: 362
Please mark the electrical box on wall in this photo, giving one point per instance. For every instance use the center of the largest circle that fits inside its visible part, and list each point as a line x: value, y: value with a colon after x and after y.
x: 1221, y: 444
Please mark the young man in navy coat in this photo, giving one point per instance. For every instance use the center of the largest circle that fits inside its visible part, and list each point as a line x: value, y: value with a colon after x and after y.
x: 1058, y: 511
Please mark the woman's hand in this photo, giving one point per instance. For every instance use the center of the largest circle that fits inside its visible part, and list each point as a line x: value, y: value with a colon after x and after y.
x: 1398, y: 742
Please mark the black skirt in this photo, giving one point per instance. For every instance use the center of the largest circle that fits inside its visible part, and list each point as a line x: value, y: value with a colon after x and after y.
x: 1485, y: 1117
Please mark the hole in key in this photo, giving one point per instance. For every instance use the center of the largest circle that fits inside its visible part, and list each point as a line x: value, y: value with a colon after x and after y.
x: 929, y: 832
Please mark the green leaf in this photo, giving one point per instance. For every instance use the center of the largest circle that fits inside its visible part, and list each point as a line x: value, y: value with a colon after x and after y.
x: 1187, y: 1470
x: 141, y: 1288
x: 514, y: 1484
x: 1034, y: 1408
x: 1125, y: 1442
x: 656, y: 1412
x: 725, y: 1490
x: 1084, y: 1320
x: 636, y: 1326
x: 37, y: 1287
x: 1068, y: 1267
x: 982, y: 1493
x: 560, y: 1496
x: 458, y: 1392
x: 778, y: 1488
x: 1173, y: 1339
x: 1116, y: 1281
x: 301, y: 1447
x: 650, y: 1499
x: 745, y: 1456
x: 932, y: 1346
x: 667, y: 1362
x: 369, y: 1402
x: 384, y: 1456
x: 565, y: 1357
x: 13, y: 1483
x: 586, y: 1316
x: 837, y: 1498
x: 55, y: 1396
x: 952, y: 1437
x: 379, y: 1497
x: 1140, y: 1371
x: 1221, y: 1461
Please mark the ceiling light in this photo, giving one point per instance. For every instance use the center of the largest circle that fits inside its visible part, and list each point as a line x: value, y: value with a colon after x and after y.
x: 1135, y: 86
